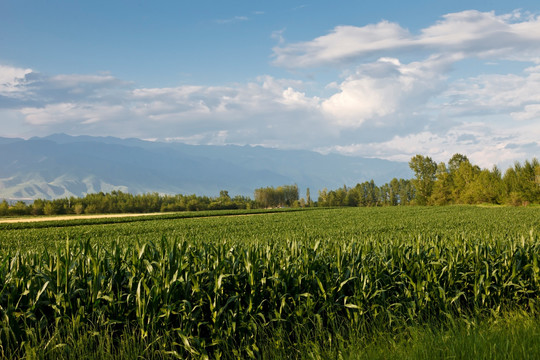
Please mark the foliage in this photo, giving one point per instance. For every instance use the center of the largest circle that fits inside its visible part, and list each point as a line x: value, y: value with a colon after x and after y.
x: 436, y: 184
x: 281, y: 196
x: 123, y: 203
x: 424, y: 169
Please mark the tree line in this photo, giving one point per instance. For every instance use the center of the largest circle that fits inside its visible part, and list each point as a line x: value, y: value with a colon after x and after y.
x: 461, y: 182
x: 121, y: 202
x: 397, y: 192
x: 458, y: 182
x: 286, y: 195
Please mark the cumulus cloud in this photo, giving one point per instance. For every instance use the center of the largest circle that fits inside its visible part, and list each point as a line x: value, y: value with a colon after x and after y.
x: 385, y: 88
x: 493, y: 118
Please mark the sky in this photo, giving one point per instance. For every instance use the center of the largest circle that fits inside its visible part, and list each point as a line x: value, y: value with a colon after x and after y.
x: 384, y: 79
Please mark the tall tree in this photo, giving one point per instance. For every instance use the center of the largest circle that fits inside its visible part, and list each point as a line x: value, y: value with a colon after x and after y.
x: 521, y: 183
x: 323, y: 197
x: 424, y: 169
x: 537, y: 174
x: 280, y: 196
x: 442, y: 188
x: 406, y: 192
x: 4, y: 207
x: 308, y: 198
x: 463, y: 177
x: 487, y: 187
x: 394, y: 192
x: 455, y: 162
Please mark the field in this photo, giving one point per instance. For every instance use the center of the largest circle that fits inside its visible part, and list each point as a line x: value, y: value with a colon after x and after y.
x: 395, y: 282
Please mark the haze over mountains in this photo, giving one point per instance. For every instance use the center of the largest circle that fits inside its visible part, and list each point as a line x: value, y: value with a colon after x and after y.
x: 60, y: 165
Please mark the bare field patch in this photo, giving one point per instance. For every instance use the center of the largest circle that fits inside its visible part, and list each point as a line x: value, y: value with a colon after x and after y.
x: 72, y: 217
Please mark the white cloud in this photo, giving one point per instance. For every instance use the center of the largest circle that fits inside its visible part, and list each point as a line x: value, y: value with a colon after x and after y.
x: 483, y: 149
x: 343, y: 43
x: 385, y: 88
x: 473, y: 33
x: 13, y: 80
x: 75, y: 80
x: 266, y: 111
x: 25, y: 86
x: 296, y: 99
x: 232, y: 20
x: 530, y: 112
x: 82, y: 114
x: 278, y: 35
x: 265, y: 95
x: 514, y: 94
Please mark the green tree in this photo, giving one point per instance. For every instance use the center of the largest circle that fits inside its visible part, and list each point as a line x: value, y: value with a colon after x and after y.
x: 424, y: 169
x: 455, y: 162
x: 4, y: 207
x: 521, y: 183
x: 485, y: 188
x: 224, y: 195
x: 385, y: 194
x: 51, y: 208
x: 462, y: 178
x: 339, y: 196
x: 322, y: 200
x: 406, y: 192
x: 20, y: 208
x: 394, y: 192
x: 78, y: 208
x: 442, y: 188
x: 308, y: 198
x: 37, y: 207
x: 280, y: 196
x: 372, y: 194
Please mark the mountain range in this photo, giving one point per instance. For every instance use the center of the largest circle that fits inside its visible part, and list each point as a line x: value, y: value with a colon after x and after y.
x: 60, y: 165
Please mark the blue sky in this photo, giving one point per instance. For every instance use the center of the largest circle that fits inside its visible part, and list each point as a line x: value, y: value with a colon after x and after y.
x: 384, y: 79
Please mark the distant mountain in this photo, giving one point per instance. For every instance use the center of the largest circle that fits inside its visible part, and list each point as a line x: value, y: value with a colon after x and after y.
x: 60, y: 166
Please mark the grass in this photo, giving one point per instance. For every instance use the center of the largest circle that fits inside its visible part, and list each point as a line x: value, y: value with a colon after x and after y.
x: 512, y: 335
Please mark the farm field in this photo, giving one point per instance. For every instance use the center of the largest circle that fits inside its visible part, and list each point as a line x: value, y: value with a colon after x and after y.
x: 320, y: 283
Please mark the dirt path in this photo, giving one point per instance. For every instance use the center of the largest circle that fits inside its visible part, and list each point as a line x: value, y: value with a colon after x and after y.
x: 104, y: 216
x: 71, y: 217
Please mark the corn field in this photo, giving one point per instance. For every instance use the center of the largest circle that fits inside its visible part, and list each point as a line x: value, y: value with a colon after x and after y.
x: 227, y: 286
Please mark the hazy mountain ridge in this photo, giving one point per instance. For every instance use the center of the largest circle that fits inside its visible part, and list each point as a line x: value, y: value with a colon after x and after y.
x: 61, y: 165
